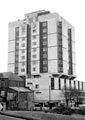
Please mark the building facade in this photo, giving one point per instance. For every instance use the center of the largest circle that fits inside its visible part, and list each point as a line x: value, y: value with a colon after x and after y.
x: 41, y: 43
x: 42, y: 51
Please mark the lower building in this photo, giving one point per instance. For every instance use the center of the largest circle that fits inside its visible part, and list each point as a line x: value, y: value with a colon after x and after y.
x: 14, y: 93
x: 49, y: 89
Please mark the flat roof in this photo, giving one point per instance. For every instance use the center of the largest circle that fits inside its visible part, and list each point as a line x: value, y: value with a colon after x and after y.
x: 20, y: 89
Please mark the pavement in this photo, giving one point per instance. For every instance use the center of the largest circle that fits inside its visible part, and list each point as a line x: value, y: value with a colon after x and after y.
x: 2, y: 117
x: 38, y: 115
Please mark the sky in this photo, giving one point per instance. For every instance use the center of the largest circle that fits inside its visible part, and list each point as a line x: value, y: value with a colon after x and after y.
x: 72, y: 10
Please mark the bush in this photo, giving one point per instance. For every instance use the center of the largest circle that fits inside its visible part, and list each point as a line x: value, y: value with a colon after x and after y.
x: 63, y: 110
x: 82, y: 111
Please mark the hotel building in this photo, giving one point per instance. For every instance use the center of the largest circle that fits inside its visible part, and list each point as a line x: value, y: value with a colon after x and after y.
x: 42, y: 51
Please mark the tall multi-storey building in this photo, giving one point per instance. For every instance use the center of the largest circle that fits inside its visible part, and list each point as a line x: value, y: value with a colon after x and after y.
x: 41, y: 43
x: 42, y: 50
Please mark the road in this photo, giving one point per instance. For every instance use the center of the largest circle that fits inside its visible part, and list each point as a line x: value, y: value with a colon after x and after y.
x: 2, y: 117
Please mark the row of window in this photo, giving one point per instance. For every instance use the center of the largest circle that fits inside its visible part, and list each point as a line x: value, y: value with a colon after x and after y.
x: 65, y: 87
x: 22, y: 70
x: 35, y: 62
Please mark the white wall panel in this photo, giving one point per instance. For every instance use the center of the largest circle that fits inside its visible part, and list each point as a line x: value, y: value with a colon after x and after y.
x: 73, y: 46
x: 76, y: 82
x: 35, y: 26
x: 11, y: 57
x: 42, y: 95
x: 74, y: 69
x: 52, y: 26
x: 52, y: 40
x: 80, y: 85
x: 56, y: 83
x: 22, y: 54
x: 73, y: 34
x: 20, y: 30
x: 52, y: 53
x: 11, y: 46
x: 22, y: 67
x: 57, y: 95
x: 35, y: 40
x: 65, y: 54
x: 62, y: 83
x: 37, y: 53
x: 11, y: 33
x: 11, y: 67
x: 52, y: 66
x: 22, y: 42
x: 73, y: 58
x: 72, y: 84
x: 67, y: 84
x: 65, y: 42
x: 65, y: 67
x: 84, y: 86
x: 37, y: 68
x: 64, y: 27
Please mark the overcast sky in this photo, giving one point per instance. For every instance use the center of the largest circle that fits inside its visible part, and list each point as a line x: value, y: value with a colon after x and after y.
x: 72, y: 10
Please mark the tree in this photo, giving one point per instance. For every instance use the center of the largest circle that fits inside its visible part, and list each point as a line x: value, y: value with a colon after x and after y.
x: 71, y: 94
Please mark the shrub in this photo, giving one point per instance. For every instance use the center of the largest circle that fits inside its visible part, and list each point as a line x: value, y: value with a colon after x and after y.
x: 82, y: 111
x: 63, y: 110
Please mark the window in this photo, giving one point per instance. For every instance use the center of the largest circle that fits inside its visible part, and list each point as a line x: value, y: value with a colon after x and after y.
x: 31, y: 19
x: 37, y: 86
x: 33, y: 56
x: 44, y: 42
x: 70, y: 83
x: 16, y: 58
x: 44, y: 69
x: 65, y: 84
x: 17, y: 47
x: 44, y: 62
x: 59, y: 84
x: 23, y: 51
x: 78, y: 85
x: 34, y: 30
x: 16, y: 52
x: 44, y: 24
x: 44, y: 36
x: 23, y: 30
x: 44, y: 30
x: 34, y: 36
x: 17, y: 55
x: 34, y: 62
x: 17, y: 44
x: 44, y: 55
x: 16, y: 64
x: 34, y: 69
x: 74, y: 85
x: 17, y: 41
x: 22, y: 70
x: 52, y: 83
x: 34, y: 50
x: 82, y: 86
x: 16, y: 70
x: 44, y: 49
x: 34, y: 25
x: 23, y: 45
x: 34, y: 43
x: 23, y: 38
x: 16, y: 31
x: 23, y: 57
x: 23, y: 63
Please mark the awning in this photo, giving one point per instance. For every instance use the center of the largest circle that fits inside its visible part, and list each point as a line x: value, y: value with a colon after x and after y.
x: 20, y: 89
